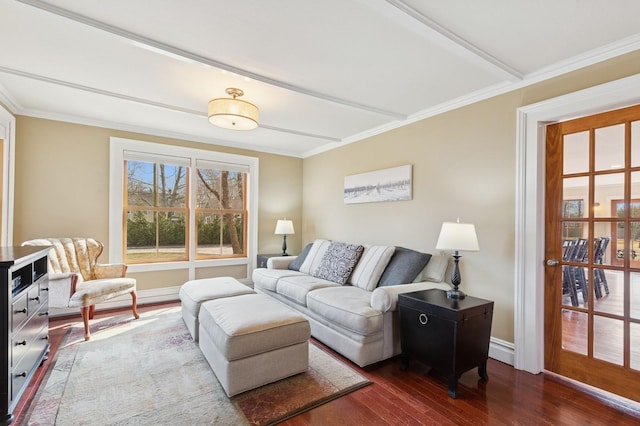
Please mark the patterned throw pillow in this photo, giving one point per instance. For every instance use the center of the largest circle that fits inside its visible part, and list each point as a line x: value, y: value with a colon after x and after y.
x: 339, y: 261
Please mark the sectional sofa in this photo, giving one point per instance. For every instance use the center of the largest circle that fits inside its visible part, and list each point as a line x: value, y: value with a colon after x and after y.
x: 349, y: 292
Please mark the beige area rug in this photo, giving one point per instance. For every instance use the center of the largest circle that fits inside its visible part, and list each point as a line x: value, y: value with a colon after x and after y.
x: 150, y: 372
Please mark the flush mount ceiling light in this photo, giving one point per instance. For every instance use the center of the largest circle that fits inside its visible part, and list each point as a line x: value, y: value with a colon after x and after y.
x: 232, y: 113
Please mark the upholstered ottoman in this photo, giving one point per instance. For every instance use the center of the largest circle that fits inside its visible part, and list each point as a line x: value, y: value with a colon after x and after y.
x: 194, y: 293
x: 252, y: 340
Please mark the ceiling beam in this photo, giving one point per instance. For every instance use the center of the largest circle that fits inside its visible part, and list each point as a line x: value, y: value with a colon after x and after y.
x: 194, y: 57
x: 148, y: 102
x: 511, y: 73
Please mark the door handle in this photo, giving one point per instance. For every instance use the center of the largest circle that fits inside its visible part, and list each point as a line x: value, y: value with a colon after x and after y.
x: 552, y: 262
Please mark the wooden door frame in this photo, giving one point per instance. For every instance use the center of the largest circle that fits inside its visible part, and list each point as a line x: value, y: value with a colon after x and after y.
x: 529, y: 212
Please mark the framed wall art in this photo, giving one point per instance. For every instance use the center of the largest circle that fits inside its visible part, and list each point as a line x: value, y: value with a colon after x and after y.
x: 394, y: 184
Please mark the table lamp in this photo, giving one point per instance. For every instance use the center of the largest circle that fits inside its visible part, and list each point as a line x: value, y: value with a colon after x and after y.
x: 284, y: 227
x: 458, y: 237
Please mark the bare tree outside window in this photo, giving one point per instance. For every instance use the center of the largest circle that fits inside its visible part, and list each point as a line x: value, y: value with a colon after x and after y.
x: 220, y: 213
x: 156, y: 212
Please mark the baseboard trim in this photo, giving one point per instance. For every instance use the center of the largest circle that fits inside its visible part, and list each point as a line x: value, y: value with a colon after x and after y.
x: 502, y: 350
x: 145, y: 297
x: 499, y: 349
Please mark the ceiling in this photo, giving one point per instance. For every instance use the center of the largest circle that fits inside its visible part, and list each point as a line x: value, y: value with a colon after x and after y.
x: 323, y: 73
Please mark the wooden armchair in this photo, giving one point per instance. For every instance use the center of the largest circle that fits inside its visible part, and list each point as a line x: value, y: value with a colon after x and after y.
x: 77, y: 280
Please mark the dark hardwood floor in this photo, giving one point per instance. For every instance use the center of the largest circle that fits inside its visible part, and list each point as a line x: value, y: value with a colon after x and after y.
x: 417, y: 396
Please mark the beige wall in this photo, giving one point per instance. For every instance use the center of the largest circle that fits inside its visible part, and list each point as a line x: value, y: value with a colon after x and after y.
x: 463, y: 166
x: 62, y: 186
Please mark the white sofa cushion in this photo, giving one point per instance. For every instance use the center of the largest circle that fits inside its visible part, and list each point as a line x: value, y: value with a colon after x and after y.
x: 348, y: 307
x: 296, y: 288
x: 313, y: 259
x: 267, y: 279
x: 372, y: 264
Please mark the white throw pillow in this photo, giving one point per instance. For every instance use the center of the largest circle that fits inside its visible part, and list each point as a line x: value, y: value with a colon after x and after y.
x: 435, y: 269
x: 370, y: 267
x: 313, y: 259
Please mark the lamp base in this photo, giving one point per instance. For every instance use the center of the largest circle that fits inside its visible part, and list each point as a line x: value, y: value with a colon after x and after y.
x: 284, y: 246
x: 456, y: 294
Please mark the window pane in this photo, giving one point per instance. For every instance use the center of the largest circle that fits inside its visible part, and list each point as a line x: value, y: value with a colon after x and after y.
x: 156, y: 185
x: 609, y: 147
x: 634, y: 331
x: 634, y: 288
x: 220, y: 189
x: 216, y: 238
x: 171, y: 233
x: 141, y: 232
x: 172, y: 185
x: 608, y: 339
x: 608, y: 187
x: 635, y: 143
x: 155, y: 236
x: 576, y: 153
x: 574, y: 331
x: 221, y: 211
x: 140, y: 186
x: 603, y: 254
x: 608, y: 289
x: 574, y: 286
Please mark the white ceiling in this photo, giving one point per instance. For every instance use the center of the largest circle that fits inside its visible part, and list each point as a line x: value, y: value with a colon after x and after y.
x: 323, y: 73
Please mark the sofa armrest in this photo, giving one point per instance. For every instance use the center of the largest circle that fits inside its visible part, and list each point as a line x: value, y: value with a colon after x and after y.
x: 385, y: 299
x: 61, y: 287
x: 109, y: 270
x: 280, y: 262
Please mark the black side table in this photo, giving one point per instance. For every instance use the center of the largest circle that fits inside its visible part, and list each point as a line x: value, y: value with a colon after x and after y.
x: 451, y: 336
x: 263, y: 258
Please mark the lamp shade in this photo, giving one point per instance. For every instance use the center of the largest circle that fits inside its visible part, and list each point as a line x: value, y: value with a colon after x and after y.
x: 232, y: 113
x: 458, y: 236
x: 284, y: 227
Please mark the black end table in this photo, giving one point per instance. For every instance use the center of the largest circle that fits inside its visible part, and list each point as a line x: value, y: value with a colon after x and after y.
x: 264, y: 258
x: 451, y: 336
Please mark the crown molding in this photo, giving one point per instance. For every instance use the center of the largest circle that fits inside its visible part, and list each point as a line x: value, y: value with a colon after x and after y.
x: 154, y: 132
x: 610, y: 51
x: 595, y: 56
x: 9, y: 101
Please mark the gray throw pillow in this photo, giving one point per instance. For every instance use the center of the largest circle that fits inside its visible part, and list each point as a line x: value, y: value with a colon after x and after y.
x: 338, y: 262
x: 404, y: 267
x: 298, y: 261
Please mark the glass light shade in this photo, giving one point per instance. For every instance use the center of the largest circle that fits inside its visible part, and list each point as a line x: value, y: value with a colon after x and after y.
x: 233, y: 114
x: 458, y: 236
x: 284, y: 227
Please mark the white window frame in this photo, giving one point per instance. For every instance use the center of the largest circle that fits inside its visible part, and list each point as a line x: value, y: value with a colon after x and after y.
x: 117, y: 148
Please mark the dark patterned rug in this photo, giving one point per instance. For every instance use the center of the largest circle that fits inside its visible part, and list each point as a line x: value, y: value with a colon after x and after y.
x: 150, y: 372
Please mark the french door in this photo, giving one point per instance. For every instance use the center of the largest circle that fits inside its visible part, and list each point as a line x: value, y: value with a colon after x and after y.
x: 592, y: 277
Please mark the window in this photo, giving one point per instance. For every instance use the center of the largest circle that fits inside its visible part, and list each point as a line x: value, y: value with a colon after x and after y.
x: 173, y: 206
x: 156, y: 210
x: 220, y: 210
